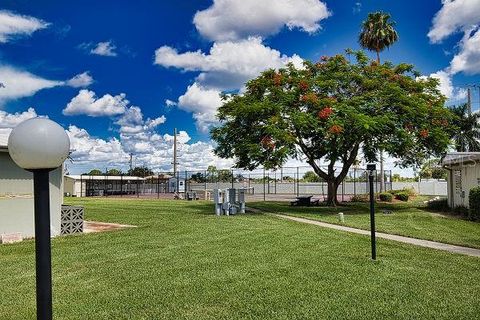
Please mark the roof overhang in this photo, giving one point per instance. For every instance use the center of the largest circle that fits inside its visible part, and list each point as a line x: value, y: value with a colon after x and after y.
x: 461, y: 158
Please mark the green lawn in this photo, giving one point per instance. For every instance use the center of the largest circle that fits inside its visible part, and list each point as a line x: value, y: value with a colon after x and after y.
x: 408, y: 219
x: 182, y: 262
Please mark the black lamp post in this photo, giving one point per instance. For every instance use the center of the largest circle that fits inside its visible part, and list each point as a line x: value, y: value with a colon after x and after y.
x: 371, y: 169
x: 40, y: 145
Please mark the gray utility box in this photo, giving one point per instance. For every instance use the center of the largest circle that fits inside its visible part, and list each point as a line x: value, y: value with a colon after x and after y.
x: 229, y: 201
x: 72, y: 219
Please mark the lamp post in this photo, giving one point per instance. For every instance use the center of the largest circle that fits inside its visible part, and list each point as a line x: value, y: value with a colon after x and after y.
x: 371, y: 169
x: 40, y: 145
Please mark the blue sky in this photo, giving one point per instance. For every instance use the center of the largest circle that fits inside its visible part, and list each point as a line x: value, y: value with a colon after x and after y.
x: 121, y: 75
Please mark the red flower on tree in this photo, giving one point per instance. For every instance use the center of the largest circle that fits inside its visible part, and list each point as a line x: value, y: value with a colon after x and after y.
x: 267, y: 142
x: 424, y: 133
x: 325, y: 113
x: 303, y: 85
x: 277, y: 79
x: 335, y: 129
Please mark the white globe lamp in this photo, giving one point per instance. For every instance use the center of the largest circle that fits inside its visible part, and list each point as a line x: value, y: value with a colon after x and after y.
x: 38, y: 143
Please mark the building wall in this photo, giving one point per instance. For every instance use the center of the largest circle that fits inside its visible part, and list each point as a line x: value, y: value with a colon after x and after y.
x: 16, y: 198
x: 462, y: 179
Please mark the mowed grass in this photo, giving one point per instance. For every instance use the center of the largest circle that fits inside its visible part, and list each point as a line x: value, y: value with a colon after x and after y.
x: 410, y: 219
x: 182, y: 262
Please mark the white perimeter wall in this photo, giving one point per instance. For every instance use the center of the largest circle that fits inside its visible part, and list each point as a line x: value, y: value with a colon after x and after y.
x: 432, y: 188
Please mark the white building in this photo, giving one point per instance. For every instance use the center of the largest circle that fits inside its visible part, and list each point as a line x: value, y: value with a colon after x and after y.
x: 92, y: 186
x: 463, y: 174
x: 16, y: 197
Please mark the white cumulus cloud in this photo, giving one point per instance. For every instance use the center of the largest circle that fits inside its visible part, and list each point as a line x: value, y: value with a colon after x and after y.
x: 446, y: 86
x: 229, y: 64
x: 87, y: 103
x: 460, y: 16
x: 233, y: 20
x: 454, y: 16
x: 81, y: 80
x: 467, y: 60
x: 15, y: 25
x: 106, y: 48
x: 11, y: 120
x: 18, y: 83
x: 203, y: 103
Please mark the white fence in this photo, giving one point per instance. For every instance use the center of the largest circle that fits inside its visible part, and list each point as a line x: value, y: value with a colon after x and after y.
x: 432, y: 188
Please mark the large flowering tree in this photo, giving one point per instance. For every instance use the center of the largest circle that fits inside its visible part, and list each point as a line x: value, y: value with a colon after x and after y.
x: 328, y: 112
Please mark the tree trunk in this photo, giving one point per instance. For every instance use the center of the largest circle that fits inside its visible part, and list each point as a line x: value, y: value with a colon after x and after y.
x: 332, y: 200
x: 378, y: 56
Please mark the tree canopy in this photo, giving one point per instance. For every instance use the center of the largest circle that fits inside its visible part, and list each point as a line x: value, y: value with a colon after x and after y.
x: 141, y: 172
x: 327, y: 112
x: 95, y: 172
x: 114, y: 172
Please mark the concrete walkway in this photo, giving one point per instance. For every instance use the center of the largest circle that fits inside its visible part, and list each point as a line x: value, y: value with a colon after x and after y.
x: 417, y: 242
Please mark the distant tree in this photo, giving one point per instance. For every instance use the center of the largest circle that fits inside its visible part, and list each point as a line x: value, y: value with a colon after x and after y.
x: 330, y: 110
x: 431, y: 170
x: 140, y: 172
x: 311, y: 176
x: 114, y: 172
x: 198, y: 177
x: 466, y: 137
x: 216, y: 175
x: 95, y: 172
x: 288, y: 179
x: 396, y: 177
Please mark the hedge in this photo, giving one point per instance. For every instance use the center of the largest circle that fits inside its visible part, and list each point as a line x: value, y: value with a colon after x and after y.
x: 474, y: 203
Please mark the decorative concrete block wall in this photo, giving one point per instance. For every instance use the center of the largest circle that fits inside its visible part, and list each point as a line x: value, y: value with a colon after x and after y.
x: 72, y: 219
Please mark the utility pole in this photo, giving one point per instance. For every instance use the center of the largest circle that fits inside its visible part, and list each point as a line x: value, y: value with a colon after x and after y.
x: 469, y: 101
x: 175, y: 152
x: 131, y: 162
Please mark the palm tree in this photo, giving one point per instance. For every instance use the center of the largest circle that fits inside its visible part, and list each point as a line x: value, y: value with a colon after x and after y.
x: 467, y: 136
x: 378, y: 33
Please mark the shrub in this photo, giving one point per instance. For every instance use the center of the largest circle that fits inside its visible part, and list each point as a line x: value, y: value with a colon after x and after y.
x: 474, y: 203
x: 461, y: 210
x: 385, y: 196
x: 438, y: 205
x: 410, y: 191
x: 402, y: 196
x: 360, y: 198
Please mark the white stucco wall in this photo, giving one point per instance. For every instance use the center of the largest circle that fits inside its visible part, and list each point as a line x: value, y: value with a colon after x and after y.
x: 16, y: 198
x: 460, y: 180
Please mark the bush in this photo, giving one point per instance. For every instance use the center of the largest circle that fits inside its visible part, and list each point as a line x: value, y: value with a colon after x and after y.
x: 360, y: 198
x: 402, y: 196
x: 438, y: 205
x: 410, y: 191
x: 474, y: 203
x: 386, y: 197
x: 461, y: 210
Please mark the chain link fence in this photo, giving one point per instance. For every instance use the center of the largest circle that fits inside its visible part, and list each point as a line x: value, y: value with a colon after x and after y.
x: 282, y: 184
